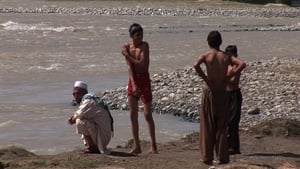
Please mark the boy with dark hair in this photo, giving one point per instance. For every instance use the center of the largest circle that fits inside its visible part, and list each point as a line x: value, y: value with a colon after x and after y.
x: 215, y: 100
x: 235, y: 105
x: 139, y: 85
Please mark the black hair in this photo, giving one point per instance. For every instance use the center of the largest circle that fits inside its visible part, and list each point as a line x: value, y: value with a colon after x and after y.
x: 134, y: 28
x: 214, y: 39
x: 231, y: 50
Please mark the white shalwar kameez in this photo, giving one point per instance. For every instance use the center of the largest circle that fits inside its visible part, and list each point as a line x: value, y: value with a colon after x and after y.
x: 95, y: 121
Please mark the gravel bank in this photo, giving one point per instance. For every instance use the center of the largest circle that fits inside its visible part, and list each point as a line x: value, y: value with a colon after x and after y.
x: 268, y: 12
x: 270, y: 90
x: 256, y: 12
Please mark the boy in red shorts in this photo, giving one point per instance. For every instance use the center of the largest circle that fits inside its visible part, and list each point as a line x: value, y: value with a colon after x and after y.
x: 139, y: 85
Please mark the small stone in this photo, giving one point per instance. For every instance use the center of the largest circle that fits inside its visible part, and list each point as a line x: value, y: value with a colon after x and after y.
x: 253, y: 111
x: 124, y: 106
x: 164, y: 99
x: 172, y: 95
x: 258, y: 136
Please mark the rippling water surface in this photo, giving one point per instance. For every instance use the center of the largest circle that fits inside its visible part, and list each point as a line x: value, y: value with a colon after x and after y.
x: 43, y: 54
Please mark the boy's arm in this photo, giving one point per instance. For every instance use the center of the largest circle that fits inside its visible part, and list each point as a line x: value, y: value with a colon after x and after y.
x: 239, y: 66
x: 229, y: 74
x: 198, y: 69
x: 131, y: 70
x: 132, y: 77
x: 143, y: 55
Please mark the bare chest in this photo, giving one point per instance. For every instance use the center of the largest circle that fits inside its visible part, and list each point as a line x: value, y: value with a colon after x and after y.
x: 135, y: 52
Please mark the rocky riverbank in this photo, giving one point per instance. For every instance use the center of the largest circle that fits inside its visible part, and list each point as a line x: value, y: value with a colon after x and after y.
x: 197, y: 11
x: 168, y: 9
x: 270, y: 90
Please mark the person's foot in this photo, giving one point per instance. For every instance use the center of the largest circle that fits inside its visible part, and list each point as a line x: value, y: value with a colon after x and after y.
x: 223, y: 161
x: 106, y: 152
x: 136, y: 150
x: 91, y: 150
x: 233, y: 152
x: 207, y: 162
x: 153, y: 150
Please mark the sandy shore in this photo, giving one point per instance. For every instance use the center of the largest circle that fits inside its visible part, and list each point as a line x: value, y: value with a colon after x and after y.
x: 266, y: 146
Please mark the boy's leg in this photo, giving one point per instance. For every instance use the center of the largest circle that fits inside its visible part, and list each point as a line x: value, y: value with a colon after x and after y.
x: 231, y: 123
x: 237, y: 121
x: 222, y: 116
x: 206, y: 137
x: 234, y: 139
x: 133, y: 106
x: 234, y: 142
x: 151, y: 126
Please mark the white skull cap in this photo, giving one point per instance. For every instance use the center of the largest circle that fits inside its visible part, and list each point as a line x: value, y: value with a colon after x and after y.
x: 80, y: 84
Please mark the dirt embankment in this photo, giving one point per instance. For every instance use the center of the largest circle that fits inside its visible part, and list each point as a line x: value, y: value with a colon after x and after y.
x: 268, y: 145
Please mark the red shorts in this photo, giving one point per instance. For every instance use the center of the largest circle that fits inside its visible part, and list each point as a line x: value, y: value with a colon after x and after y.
x: 144, y: 84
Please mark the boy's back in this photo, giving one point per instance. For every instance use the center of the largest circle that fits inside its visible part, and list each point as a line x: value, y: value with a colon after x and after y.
x: 214, y: 102
x: 215, y: 99
x: 216, y: 62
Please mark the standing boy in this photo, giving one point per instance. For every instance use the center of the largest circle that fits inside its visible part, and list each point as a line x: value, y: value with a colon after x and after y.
x: 215, y: 100
x: 139, y: 85
x: 235, y: 105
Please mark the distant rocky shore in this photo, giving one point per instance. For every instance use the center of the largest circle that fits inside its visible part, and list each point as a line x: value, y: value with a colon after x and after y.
x: 265, y: 12
x: 152, y: 11
x: 271, y: 89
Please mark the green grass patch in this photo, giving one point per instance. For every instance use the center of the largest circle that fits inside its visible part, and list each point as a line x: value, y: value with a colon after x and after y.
x: 74, y: 161
x: 39, y: 163
x: 131, y: 0
x: 14, y: 151
x: 287, y: 2
x: 278, y: 127
x: 82, y: 162
x: 191, y: 138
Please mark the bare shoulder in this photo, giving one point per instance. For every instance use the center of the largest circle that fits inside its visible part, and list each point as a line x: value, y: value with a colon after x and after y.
x: 145, y: 44
x: 144, y: 47
x: 207, y: 54
x: 221, y: 55
x: 210, y: 54
x: 203, y: 57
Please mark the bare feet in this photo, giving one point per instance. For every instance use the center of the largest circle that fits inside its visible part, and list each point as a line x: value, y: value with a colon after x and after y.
x: 153, y: 150
x: 223, y: 161
x: 136, y: 150
x: 91, y: 150
x: 207, y: 162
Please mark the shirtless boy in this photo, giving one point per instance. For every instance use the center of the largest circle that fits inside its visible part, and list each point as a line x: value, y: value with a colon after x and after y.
x: 139, y: 85
x: 235, y: 105
x: 215, y: 100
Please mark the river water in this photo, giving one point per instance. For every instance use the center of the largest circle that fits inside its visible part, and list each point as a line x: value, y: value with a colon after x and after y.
x: 43, y: 54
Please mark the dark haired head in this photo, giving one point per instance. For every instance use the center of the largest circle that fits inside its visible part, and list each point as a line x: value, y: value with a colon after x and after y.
x: 134, y: 28
x: 231, y: 50
x: 214, y: 39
